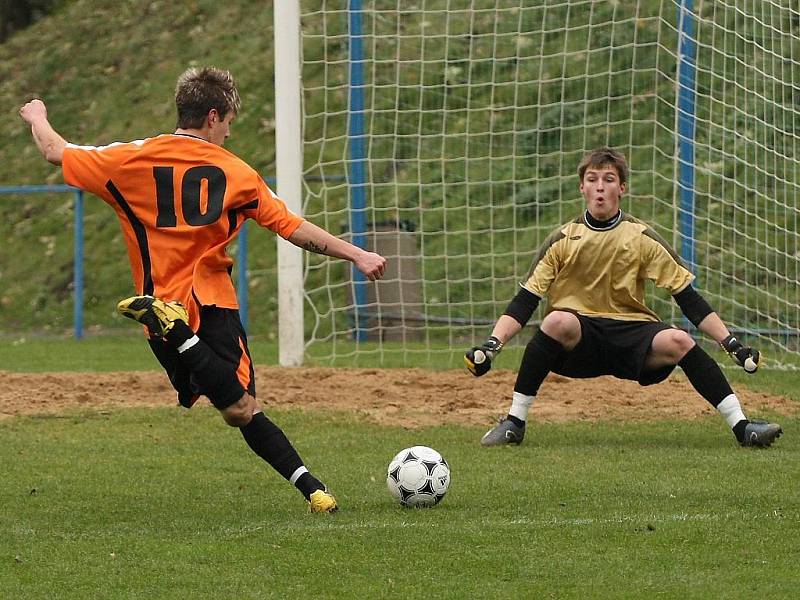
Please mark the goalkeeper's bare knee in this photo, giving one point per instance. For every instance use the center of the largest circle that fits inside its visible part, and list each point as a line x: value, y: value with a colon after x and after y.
x: 564, y: 327
x: 668, y: 348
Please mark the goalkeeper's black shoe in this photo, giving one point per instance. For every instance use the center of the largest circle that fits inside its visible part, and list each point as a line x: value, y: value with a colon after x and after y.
x: 760, y: 434
x: 505, y: 432
x: 157, y: 315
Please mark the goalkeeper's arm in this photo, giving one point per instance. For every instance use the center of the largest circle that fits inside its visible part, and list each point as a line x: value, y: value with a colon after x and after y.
x: 478, y: 359
x: 700, y: 313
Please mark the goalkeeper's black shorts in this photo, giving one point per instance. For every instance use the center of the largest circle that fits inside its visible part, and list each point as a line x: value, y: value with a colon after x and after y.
x: 222, y: 330
x: 613, y: 347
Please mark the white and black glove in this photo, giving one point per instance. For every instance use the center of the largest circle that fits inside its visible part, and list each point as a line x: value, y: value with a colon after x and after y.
x: 479, y: 358
x: 744, y: 356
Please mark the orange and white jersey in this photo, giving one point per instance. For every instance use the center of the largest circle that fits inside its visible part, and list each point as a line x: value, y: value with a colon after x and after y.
x: 180, y: 200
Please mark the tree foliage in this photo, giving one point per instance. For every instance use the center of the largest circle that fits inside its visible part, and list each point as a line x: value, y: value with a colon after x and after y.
x: 19, y: 14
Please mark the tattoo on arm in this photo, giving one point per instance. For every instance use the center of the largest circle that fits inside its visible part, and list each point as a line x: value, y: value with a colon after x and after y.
x: 311, y: 246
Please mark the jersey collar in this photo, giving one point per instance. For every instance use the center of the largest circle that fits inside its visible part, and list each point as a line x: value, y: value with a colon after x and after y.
x: 593, y: 223
x: 197, y: 137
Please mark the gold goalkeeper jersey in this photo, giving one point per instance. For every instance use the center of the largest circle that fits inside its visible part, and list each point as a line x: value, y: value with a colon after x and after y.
x: 601, y: 272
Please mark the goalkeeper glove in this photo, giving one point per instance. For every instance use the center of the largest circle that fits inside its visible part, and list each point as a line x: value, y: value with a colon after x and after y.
x: 479, y: 358
x: 745, y: 357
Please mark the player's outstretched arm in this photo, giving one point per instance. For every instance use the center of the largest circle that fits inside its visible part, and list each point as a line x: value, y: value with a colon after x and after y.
x: 315, y: 239
x: 47, y: 139
x: 698, y: 311
x: 478, y: 359
x: 744, y: 356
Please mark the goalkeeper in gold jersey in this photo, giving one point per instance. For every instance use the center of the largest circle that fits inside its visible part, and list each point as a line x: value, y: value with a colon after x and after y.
x: 592, y: 271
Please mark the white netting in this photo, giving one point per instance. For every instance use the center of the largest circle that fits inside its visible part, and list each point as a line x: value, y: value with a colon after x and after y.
x: 476, y: 114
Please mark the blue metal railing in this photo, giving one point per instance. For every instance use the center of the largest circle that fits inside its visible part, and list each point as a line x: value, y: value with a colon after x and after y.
x: 77, y: 276
x: 77, y: 252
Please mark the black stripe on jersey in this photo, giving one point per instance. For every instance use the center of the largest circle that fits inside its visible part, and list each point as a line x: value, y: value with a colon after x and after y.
x: 659, y: 240
x: 551, y: 239
x: 233, y: 214
x: 649, y: 232
x: 141, y: 237
x: 232, y: 218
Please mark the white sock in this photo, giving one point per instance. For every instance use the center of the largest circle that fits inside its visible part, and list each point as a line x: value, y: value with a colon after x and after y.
x: 296, y: 475
x: 188, y: 344
x: 731, y: 410
x: 520, y: 405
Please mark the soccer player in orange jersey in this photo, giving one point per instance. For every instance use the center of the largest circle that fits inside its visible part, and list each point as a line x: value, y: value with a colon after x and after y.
x: 181, y: 198
x: 592, y: 271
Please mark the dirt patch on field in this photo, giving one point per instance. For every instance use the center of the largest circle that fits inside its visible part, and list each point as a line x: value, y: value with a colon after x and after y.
x: 407, y: 397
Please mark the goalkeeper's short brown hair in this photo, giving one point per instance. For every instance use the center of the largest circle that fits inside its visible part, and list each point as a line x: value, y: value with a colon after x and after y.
x: 605, y: 157
x: 199, y: 90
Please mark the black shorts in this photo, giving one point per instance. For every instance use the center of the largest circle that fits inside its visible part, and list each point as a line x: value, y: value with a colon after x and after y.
x: 613, y: 347
x: 221, y: 329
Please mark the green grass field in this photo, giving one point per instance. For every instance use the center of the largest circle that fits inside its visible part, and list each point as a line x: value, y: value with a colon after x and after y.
x: 162, y: 503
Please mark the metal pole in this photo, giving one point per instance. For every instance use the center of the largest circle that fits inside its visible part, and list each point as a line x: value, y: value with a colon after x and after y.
x: 686, y: 128
x: 358, y: 203
x: 77, y: 275
x: 289, y: 171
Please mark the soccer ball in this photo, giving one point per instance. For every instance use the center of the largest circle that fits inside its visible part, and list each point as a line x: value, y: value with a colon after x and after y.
x: 418, y: 477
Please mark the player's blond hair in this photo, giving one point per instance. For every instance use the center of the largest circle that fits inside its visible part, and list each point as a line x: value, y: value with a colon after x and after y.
x: 199, y: 90
x: 605, y: 157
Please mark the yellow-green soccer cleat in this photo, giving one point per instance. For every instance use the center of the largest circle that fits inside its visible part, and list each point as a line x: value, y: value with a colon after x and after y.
x: 322, y: 501
x: 157, y: 315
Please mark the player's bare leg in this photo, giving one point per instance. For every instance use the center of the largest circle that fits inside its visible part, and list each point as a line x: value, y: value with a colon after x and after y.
x: 560, y: 332
x: 668, y: 348
x: 676, y: 347
x: 563, y: 327
x: 240, y: 413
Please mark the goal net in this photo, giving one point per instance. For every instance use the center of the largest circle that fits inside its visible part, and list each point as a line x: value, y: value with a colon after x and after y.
x: 445, y: 134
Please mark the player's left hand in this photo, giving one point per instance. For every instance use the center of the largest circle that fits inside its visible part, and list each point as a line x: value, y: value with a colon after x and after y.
x: 478, y: 359
x: 744, y: 356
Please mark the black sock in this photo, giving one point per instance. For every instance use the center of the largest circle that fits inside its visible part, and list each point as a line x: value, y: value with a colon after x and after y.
x: 217, y: 378
x: 516, y: 420
x: 308, y: 484
x: 540, y: 355
x: 705, y: 375
x: 179, y: 334
x: 738, y: 429
x: 269, y: 442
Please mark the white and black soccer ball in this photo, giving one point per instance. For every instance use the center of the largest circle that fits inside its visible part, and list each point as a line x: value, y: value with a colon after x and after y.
x: 418, y: 477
